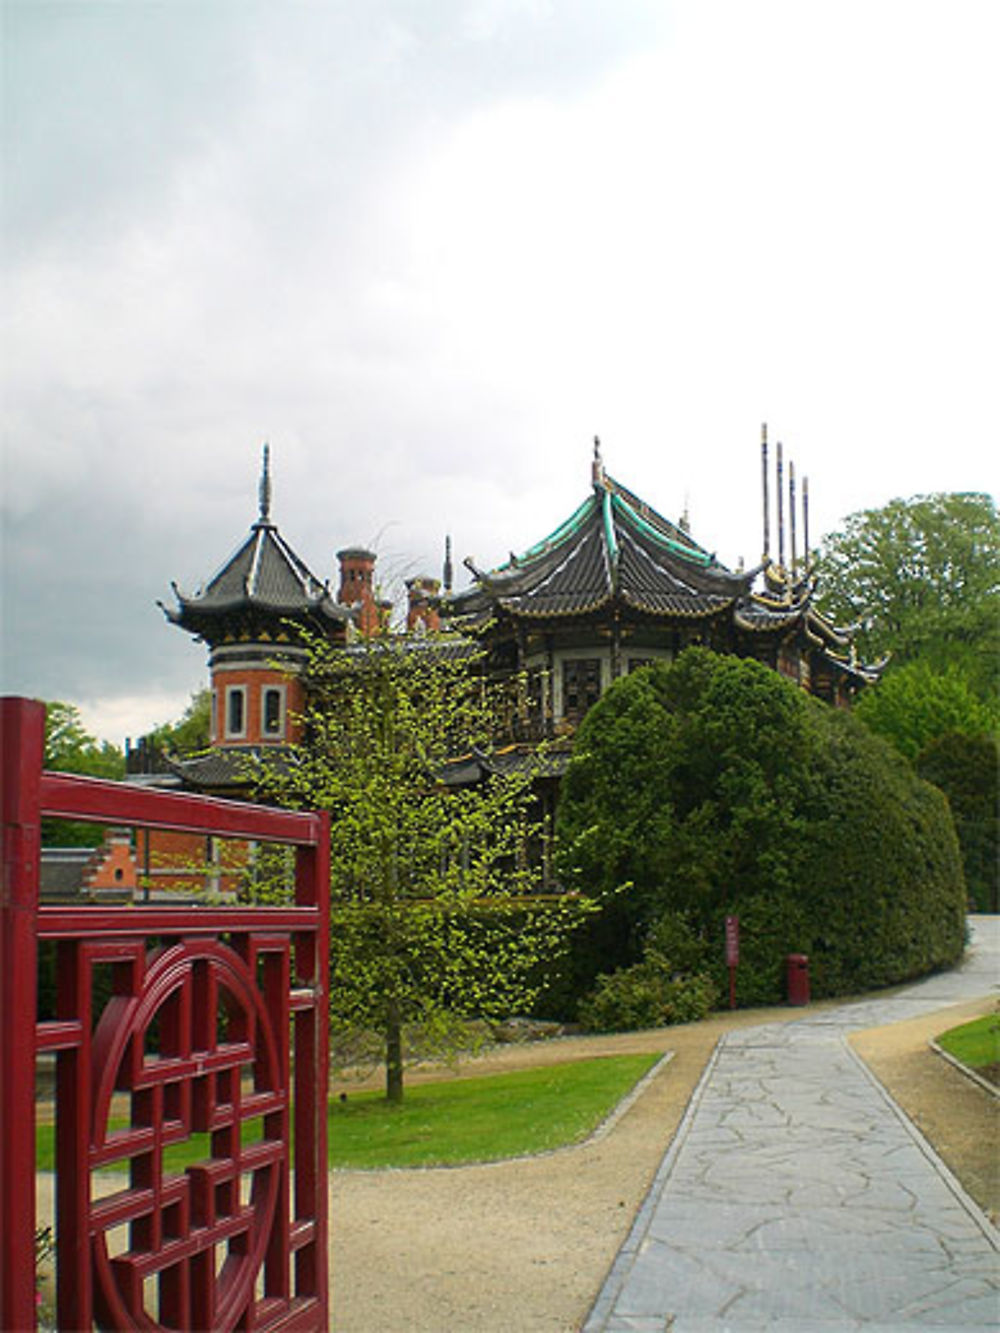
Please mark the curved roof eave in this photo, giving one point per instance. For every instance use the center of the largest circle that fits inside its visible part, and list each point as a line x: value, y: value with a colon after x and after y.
x: 776, y: 624
x: 205, y: 621
x: 868, y: 672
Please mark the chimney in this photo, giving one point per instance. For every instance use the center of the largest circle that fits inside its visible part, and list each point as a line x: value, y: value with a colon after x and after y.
x: 421, y: 608
x: 357, y: 579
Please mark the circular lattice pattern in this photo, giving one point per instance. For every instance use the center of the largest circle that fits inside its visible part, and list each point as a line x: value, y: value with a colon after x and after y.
x: 182, y: 1246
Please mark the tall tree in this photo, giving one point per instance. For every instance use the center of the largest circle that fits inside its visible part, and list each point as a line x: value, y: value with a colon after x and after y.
x: 432, y: 918
x: 922, y: 578
x: 70, y: 748
x: 915, y: 704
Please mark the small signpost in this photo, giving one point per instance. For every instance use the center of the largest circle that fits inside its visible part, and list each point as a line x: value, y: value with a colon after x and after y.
x: 732, y: 954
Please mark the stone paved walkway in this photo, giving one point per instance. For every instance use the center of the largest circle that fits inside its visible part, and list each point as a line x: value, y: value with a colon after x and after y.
x: 796, y: 1196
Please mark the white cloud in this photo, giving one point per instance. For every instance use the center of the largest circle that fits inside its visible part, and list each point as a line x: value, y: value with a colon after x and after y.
x: 429, y: 252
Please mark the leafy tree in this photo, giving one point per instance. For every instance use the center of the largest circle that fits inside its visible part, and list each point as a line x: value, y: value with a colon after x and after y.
x: 192, y: 731
x: 966, y: 768
x: 922, y: 578
x: 432, y: 924
x: 70, y: 748
x: 914, y: 704
x: 714, y: 786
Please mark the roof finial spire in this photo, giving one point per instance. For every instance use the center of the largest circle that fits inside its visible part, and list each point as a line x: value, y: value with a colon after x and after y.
x: 448, y: 573
x: 264, y: 490
x: 597, y: 467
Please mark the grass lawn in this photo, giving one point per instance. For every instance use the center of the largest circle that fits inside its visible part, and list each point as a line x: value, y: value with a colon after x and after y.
x: 483, y: 1119
x: 976, y: 1044
x: 459, y: 1120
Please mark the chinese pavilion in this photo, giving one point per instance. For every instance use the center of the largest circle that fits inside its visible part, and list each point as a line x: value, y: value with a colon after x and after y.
x: 617, y: 586
x: 614, y: 587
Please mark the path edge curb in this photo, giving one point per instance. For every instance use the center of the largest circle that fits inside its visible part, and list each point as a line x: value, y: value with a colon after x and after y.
x: 965, y: 1070
x: 991, y: 1233
x: 611, y: 1287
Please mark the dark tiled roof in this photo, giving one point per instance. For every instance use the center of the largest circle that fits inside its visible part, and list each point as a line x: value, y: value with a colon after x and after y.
x: 266, y: 569
x: 758, y: 616
x: 263, y: 576
x: 614, y: 546
x: 769, y: 615
x: 515, y: 759
x: 231, y: 766
x: 764, y: 614
x: 217, y: 769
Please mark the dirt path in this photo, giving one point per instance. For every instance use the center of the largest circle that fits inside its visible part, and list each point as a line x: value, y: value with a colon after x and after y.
x: 523, y: 1247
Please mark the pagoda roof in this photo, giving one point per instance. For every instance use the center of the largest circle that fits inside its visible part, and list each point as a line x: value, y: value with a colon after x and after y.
x: 263, y: 577
x: 521, y: 759
x: 614, y: 547
x: 231, y: 767
x: 786, y: 606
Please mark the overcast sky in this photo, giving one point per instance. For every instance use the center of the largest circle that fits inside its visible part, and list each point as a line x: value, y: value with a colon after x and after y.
x: 429, y: 248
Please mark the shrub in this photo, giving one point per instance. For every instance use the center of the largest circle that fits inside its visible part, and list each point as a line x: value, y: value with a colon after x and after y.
x: 716, y: 788
x: 966, y: 769
x: 645, y: 996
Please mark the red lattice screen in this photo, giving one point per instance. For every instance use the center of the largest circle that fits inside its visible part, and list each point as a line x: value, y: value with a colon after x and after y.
x: 216, y: 1025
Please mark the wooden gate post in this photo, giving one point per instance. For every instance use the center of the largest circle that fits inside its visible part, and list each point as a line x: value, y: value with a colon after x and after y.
x: 22, y: 742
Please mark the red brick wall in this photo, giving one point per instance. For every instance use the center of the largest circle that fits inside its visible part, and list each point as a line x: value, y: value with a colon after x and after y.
x: 112, y: 866
x: 420, y: 610
x: 254, y: 680
x: 188, y: 863
x: 357, y: 587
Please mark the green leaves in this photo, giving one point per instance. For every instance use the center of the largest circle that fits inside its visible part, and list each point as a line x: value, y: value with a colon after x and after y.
x: 715, y: 786
x: 915, y: 704
x: 433, y: 920
x: 190, y: 732
x: 922, y: 578
x: 70, y: 748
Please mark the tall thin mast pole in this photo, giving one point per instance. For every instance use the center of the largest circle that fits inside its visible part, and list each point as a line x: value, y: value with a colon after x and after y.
x: 791, y: 512
x: 764, y: 480
x: 781, y: 508
x: 805, y: 523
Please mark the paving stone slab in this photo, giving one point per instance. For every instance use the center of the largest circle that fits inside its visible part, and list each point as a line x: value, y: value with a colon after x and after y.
x: 796, y: 1196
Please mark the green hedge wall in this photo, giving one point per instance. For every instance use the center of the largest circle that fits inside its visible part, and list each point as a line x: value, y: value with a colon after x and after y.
x: 713, y: 786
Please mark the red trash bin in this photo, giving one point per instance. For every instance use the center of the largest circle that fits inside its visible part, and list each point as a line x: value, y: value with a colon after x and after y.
x: 797, y: 965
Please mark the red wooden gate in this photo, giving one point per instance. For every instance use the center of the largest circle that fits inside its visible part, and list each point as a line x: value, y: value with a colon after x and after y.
x: 217, y: 1022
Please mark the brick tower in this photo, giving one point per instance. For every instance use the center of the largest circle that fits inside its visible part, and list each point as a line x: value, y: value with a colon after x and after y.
x: 251, y: 614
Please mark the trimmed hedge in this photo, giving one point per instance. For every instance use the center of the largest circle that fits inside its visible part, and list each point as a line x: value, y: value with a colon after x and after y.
x: 966, y: 769
x: 713, y: 786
